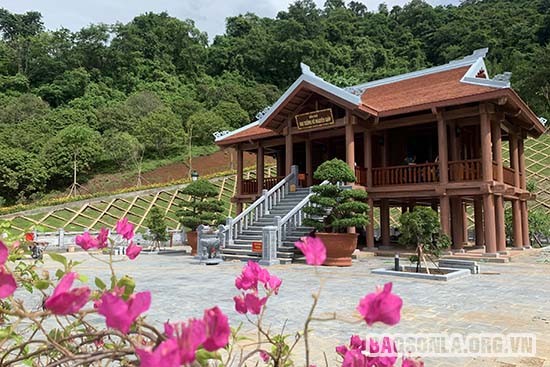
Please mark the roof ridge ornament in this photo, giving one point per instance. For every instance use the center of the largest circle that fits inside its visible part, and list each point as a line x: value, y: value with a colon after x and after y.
x: 476, y: 54
x: 504, y: 77
x: 306, y: 70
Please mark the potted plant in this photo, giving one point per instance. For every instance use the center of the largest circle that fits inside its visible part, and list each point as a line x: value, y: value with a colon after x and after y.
x: 336, y: 208
x: 422, y: 229
x: 203, y: 208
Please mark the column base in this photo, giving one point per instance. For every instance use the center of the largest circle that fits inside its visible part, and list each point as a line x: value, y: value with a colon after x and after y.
x: 269, y: 262
x: 495, y: 254
x: 528, y: 247
x: 504, y: 252
x: 521, y: 248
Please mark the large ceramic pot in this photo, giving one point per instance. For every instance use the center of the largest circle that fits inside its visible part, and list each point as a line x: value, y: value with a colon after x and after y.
x: 340, y: 247
x: 192, y: 241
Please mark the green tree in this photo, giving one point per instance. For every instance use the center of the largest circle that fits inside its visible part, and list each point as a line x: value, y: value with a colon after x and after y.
x: 204, y: 208
x: 421, y: 228
x: 156, y: 224
x: 74, y: 150
x: 161, y: 132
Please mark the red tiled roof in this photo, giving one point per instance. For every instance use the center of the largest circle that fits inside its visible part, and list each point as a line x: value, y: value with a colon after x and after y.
x: 252, y: 132
x: 422, y: 90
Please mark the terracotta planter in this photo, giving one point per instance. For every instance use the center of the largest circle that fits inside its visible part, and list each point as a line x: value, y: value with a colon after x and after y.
x: 192, y: 241
x: 340, y: 247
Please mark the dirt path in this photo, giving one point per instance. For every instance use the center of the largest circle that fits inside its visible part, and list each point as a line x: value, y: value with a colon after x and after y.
x: 204, y: 165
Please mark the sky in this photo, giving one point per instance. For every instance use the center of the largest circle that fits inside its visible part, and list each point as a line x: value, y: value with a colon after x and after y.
x: 208, y: 15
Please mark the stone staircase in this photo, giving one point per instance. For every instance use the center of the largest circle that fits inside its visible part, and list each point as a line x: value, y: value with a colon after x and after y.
x: 241, y: 248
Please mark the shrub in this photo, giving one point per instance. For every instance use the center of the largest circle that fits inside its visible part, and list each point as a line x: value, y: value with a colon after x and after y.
x: 421, y: 228
x: 204, y: 208
x: 336, y: 207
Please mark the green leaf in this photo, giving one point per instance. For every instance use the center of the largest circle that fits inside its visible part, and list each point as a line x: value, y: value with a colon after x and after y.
x: 99, y: 283
x: 59, y: 273
x: 42, y: 284
x: 129, y: 285
x: 83, y: 278
x: 58, y: 258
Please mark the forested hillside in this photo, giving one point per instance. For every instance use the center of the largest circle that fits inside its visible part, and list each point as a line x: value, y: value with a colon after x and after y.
x: 107, y: 95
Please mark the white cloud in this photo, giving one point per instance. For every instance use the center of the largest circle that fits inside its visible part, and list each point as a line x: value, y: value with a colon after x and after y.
x: 209, y: 15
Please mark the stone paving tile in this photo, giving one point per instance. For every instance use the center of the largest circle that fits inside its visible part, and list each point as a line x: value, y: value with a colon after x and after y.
x: 506, y: 298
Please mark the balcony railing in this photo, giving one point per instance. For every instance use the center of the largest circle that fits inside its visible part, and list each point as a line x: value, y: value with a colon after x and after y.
x: 361, y: 176
x: 467, y: 170
x: 250, y: 186
x: 508, y: 175
x: 403, y: 175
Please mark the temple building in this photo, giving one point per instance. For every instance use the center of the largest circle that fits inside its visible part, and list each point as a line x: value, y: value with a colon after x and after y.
x: 432, y: 137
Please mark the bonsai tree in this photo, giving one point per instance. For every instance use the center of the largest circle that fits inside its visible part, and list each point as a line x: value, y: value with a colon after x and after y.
x: 204, y: 208
x: 157, y: 227
x: 421, y: 228
x: 336, y: 207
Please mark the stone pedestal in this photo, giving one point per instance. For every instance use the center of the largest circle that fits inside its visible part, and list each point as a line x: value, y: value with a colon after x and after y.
x: 269, y: 246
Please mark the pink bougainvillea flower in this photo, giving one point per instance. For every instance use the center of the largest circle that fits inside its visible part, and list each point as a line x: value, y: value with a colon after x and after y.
x: 7, y: 283
x: 217, y: 329
x: 3, y: 253
x: 133, y: 250
x: 383, y: 355
x: 254, y: 303
x: 273, y: 284
x: 66, y: 301
x: 188, y: 336
x: 381, y: 306
x: 410, y: 362
x: 120, y: 314
x: 314, y: 249
x: 264, y: 356
x: 102, y: 238
x: 240, y: 306
x: 86, y: 241
x: 252, y: 274
x: 166, y: 354
x: 355, y: 358
x: 125, y: 229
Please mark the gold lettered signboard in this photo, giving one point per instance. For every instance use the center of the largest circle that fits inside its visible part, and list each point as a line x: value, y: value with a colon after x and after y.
x: 313, y: 119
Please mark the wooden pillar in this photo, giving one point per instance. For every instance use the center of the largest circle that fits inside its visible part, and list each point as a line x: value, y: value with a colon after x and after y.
x: 370, y: 226
x: 350, y: 144
x: 457, y: 221
x: 367, y: 147
x: 496, y: 139
x: 525, y: 224
x: 260, y: 168
x: 489, y: 224
x: 514, y: 159
x: 442, y: 149
x: 280, y: 163
x: 465, y: 223
x: 499, y: 223
x: 240, y: 174
x: 445, y: 215
x: 309, y: 164
x: 486, y: 149
x: 521, y: 163
x: 517, y: 235
x: 478, y: 219
x: 239, y: 171
x: 385, y: 222
x: 289, y: 149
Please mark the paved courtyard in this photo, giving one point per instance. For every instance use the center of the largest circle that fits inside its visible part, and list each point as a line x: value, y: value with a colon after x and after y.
x: 505, y: 298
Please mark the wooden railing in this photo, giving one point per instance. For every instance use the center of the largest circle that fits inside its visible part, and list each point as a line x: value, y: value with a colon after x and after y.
x: 250, y: 186
x: 467, y: 170
x: 508, y: 175
x: 403, y: 175
x: 361, y: 176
